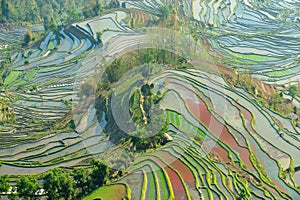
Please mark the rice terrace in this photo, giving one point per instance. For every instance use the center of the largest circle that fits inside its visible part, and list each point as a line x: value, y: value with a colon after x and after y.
x: 150, y: 99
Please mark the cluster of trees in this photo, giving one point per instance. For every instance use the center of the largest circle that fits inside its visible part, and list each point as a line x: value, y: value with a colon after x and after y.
x: 140, y: 114
x: 164, y: 11
x: 6, y: 114
x: 123, y: 64
x: 58, y: 183
x: 34, y: 10
x: 136, y: 105
x: 49, y: 12
x: 265, y: 94
x: 293, y: 91
x: 52, y: 12
x: 112, y: 74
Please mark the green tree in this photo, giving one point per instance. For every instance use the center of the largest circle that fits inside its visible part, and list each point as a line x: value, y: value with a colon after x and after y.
x: 149, y: 57
x: 48, y: 17
x: 99, y: 36
x: 73, y: 15
x: 82, y: 179
x: 27, y: 37
x: 275, y: 99
x: 92, y: 8
x: 13, y: 194
x: 31, y: 11
x: 114, y: 4
x: 58, y: 184
x: 99, y: 174
x: 4, y: 183
x: 164, y: 11
x: 4, y: 9
x: 27, y: 187
x: 293, y: 91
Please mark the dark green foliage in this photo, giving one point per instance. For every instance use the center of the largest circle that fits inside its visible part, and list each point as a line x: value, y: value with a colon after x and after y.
x: 73, y: 15
x: 164, y: 11
x: 293, y: 91
x: 113, y: 4
x: 4, y: 183
x: 135, y: 111
x: 99, y: 174
x: 99, y: 35
x: 26, y: 62
x: 120, y: 66
x: 27, y: 187
x: 140, y: 141
x: 49, y: 12
x: 82, y: 180
x: 4, y: 9
x: 58, y: 184
x: 115, y: 71
x: 275, y: 99
x: 92, y: 8
x: 149, y: 57
x: 13, y: 195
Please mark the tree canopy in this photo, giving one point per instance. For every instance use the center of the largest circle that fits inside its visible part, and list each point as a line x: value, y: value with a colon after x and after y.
x: 27, y: 187
x: 58, y: 184
x: 4, y: 183
x: 293, y: 91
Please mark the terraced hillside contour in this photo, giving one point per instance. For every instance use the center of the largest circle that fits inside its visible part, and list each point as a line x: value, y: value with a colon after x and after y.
x: 224, y: 144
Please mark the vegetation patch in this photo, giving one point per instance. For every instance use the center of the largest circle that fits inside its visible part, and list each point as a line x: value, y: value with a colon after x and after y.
x: 109, y: 192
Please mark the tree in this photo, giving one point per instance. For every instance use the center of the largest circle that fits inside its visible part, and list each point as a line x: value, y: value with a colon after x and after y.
x: 82, y: 179
x: 4, y: 9
x: 99, y: 174
x: 99, y: 36
x: 114, y: 4
x: 27, y: 187
x: 49, y: 22
x: 164, y: 11
x: 13, y: 194
x: 149, y: 56
x: 67, y: 186
x: 275, y: 99
x: 73, y: 15
x: 92, y: 8
x: 58, y: 184
x: 293, y: 91
x: 27, y: 37
x: 4, y: 183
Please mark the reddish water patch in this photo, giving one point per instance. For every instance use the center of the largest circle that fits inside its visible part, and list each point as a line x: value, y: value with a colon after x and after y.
x: 200, y: 111
x: 221, y: 152
x: 178, y: 189
x: 180, y: 167
x: 279, y: 186
x: 244, y: 154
